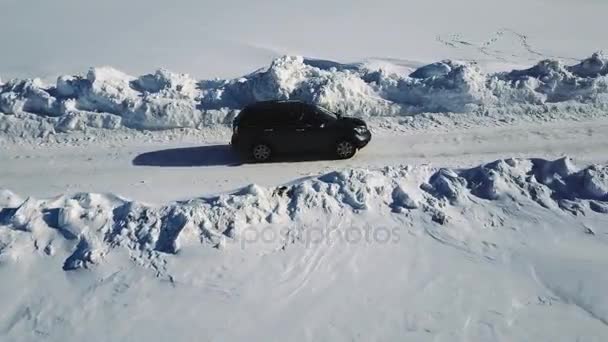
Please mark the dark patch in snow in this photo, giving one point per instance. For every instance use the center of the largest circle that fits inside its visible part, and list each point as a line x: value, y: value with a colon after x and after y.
x: 212, y: 155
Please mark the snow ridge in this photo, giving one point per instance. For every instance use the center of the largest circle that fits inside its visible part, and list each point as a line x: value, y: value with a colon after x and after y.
x: 91, y: 226
x: 108, y: 98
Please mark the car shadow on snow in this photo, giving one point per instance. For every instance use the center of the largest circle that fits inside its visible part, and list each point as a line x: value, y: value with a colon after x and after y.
x: 212, y: 155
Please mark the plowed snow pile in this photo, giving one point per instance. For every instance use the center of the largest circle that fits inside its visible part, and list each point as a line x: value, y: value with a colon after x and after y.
x: 107, y: 98
x: 504, y: 250
x: 99, y: 223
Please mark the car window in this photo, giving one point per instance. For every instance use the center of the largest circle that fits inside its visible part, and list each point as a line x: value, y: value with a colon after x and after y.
x: 259, y: 116
x: 317, y: 116
x: 325, y: 117
x: 310, y: 116
x: 247, y: 116
x: 287, y: 114
x: 326, y: 114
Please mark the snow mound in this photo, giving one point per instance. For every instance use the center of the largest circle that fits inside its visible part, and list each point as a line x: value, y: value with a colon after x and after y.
x: 356, y: 90
x: 108, y: 98
x: 545, y: 182
x: 90, y: 226
x: 337, y: 88
x: 551, y: 81
x: 8, y: 199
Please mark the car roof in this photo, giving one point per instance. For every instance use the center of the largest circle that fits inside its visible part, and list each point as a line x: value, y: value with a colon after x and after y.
x: 270, y: 102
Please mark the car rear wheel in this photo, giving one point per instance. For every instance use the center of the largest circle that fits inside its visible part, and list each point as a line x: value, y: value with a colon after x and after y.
x: 261, y: 152
x: 345, y: 149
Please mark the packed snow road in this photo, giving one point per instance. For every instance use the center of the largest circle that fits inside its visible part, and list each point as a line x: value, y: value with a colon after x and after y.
x: 156, y: 171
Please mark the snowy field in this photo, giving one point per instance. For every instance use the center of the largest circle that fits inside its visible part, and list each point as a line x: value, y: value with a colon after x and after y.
x: 478, y: 212
x: 230, y: 38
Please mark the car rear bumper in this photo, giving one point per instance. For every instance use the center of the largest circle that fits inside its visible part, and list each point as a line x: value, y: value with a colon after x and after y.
x: 236, y: 143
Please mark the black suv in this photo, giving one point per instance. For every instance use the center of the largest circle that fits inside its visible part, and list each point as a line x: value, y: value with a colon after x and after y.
x: 264, y: 129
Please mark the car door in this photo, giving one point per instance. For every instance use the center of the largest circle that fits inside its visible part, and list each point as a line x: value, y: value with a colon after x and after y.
x: 285, y: 127
x: 316, y: 131
x: 264, y: 127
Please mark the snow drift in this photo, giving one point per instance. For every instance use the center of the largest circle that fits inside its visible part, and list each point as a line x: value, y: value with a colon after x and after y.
x: 107, y: 98
x: 534, y: 232
x: 93, y: 225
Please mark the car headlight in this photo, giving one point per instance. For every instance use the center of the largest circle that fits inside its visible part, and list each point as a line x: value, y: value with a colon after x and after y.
x: 360, y: 129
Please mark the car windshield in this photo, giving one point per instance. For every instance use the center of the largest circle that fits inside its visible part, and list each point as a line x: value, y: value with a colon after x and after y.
x: 327, y: 114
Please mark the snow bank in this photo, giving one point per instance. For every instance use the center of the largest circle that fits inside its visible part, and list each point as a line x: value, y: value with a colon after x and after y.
x: 551, y: 81
x: 107, y: 98
x: 92, y: 225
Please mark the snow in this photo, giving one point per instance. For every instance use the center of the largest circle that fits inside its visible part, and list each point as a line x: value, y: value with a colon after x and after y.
x: 209, y: 39
x: 476, y: 213
x: 487, y: 221
x: 143, y: 232
x: 107, y: 98
x: 157, y: 167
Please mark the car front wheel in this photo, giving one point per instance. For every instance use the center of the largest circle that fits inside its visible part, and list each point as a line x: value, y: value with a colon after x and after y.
x: 261, y: 152
x: 345, y: 149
